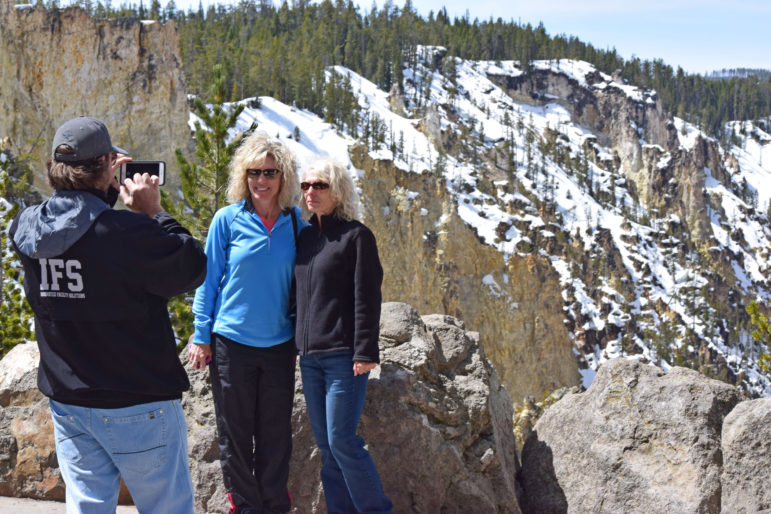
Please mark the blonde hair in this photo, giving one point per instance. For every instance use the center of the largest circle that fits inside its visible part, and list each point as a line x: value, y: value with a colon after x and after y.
x: 341, y: 187
x: 253, y: 151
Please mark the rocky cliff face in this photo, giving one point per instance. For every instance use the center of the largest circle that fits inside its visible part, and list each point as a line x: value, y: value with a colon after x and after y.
x: 639, y: 133
x: 60, y: 63
x: 436, y: 262
x: 684, y: 200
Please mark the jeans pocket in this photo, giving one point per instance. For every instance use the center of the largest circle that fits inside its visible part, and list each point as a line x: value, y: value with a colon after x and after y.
x: 68, y: 434
x: 138, y: 443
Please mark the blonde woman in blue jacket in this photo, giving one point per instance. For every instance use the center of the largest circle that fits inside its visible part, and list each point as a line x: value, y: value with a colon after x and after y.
x: 243, y: 325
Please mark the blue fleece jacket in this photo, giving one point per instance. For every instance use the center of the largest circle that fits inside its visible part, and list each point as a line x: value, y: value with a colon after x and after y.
x: 245, y: 296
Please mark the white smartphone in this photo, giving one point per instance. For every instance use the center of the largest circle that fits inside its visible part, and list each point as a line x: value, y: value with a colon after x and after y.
x: 157, y: 168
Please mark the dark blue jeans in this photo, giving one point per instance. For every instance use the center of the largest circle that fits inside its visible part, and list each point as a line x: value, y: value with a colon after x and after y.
x: 335, y: 399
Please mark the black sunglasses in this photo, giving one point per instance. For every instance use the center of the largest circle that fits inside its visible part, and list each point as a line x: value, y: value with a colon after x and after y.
x: 269, y: 173
x: 318, y: 186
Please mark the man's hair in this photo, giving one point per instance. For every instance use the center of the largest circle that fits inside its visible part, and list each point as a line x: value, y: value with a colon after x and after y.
x: 252, y: 152
x: 76, y: 174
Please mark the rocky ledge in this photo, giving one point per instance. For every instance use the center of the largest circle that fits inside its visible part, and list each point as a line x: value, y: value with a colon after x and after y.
x: 439, y: 425
x: 437, y: 421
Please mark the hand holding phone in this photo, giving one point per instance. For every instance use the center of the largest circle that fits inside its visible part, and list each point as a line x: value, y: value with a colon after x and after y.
x: 141, y: 194
x: 153, y: 168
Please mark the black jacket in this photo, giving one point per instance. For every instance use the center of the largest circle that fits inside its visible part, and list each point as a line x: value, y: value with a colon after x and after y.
x: 338, y: 278
x: 98, y: 281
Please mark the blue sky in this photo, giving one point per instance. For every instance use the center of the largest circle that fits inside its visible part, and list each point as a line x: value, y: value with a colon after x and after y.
x: 699, y: 35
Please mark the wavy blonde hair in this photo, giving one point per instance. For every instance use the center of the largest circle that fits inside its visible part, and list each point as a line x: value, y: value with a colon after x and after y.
x: 253, y: 152
x: 341, y: 187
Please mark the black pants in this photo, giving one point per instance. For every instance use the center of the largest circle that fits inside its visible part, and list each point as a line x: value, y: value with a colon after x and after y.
x: 253, y: 391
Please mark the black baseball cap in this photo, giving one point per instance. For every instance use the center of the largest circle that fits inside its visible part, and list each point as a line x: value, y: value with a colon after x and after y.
x: 88, y: 137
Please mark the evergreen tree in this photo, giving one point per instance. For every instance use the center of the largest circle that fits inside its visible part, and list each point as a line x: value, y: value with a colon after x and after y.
x: 15, y: 312
x: 204, y: 181
x: 761, y: 333
x: 155, y: 10
x: 281, y: 52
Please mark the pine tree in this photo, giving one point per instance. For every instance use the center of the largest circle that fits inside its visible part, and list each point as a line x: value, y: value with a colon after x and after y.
x: 204, y: 182
x: 15, y: 312
x: 761, y: 334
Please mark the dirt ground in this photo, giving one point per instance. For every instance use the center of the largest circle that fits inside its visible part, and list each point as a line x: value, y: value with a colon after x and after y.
x: 26, y: 506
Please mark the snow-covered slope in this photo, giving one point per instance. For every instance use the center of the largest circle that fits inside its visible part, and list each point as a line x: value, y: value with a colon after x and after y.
x: 531, y: 179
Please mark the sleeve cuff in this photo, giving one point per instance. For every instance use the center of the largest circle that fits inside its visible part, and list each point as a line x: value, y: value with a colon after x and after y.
x: 202, y: 335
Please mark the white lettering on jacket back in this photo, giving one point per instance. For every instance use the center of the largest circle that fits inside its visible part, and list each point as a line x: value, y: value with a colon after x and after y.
x: 61, y: 279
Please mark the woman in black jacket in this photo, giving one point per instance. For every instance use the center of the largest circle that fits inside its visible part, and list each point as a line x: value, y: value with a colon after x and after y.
x: 338, y: 277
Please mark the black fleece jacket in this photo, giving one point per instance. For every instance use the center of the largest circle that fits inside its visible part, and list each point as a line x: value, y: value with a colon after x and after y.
x: 338, y: 278
x: 98, y: 281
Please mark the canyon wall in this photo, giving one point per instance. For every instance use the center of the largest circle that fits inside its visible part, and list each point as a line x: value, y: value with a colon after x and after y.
x: 60, y: 63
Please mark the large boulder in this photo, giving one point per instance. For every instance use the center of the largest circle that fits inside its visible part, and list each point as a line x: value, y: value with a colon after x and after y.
x: 747, y: 458
x: 638, y: 440
x: 437, y: 422
x: 28, y: 466
x: 18, y: 376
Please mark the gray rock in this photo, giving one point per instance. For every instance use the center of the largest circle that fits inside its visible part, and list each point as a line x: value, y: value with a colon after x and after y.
x: 28, y: 465
x: 638, y: 440
x: 747, y: 458
x: 437, y: 421
x: 439, y: 426
x: 198, y: 405
x: 18, y: 375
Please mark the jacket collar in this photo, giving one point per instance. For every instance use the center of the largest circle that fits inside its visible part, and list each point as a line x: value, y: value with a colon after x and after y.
x: 328, y: 221
x: 249, y: 207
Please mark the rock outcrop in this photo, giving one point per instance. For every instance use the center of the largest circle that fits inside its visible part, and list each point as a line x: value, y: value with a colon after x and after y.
x: 746, y: 441
x: 60, y: 63
x: 437, y: 422
x: 638, y: 440
x: 28, y: 466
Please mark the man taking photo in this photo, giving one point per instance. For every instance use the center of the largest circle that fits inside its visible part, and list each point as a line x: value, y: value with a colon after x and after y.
x: 98, y: 281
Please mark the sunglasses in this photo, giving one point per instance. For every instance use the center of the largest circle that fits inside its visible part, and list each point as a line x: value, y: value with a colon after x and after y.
x: 269, y: 173
x: 318, y: 186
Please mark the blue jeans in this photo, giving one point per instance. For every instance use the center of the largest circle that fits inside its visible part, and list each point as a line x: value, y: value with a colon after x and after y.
x: 146, y: 444
x: 335, y: 399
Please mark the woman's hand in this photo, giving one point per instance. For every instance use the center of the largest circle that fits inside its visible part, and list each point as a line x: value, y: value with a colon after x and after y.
x: 359, y: 368
x: 199, y: 355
